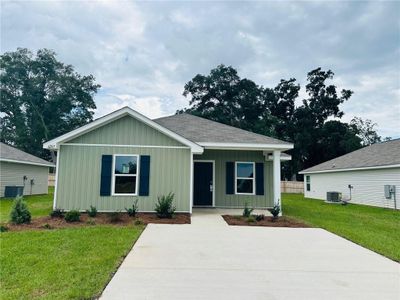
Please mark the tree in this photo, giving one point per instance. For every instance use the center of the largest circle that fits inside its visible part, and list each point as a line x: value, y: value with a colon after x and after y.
x: 41, y: 98
x: 366, y: 131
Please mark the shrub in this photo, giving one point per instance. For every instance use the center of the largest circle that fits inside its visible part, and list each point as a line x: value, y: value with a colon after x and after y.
x: 132, y: 211
x: 275, y: 211
x: 250, y: 219
x: 90, y: 222
x: 164, y: 207
x: 115, y: 216
x: 138, y: 222
x: 3, y: 228
x: 247, y: 211
x: 92, y: 212
x: 260, y: 217
x: 57, y: 213
x: 20, y: 213
x: 73, y: 216
x: 47, y: 226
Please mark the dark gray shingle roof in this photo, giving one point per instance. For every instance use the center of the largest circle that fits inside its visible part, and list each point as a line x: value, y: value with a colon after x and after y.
x: 11, y: 153
x: 200, y: 130
x: 381, y: 154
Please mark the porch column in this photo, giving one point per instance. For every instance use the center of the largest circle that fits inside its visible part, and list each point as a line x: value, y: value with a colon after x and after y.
x: 277, y: 178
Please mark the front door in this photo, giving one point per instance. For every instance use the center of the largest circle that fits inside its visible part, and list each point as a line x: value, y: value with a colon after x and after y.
x: 203, y: 184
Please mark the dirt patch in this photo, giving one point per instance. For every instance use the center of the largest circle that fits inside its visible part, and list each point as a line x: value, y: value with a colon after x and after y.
x: 268, y: 222
x: 101, y: 219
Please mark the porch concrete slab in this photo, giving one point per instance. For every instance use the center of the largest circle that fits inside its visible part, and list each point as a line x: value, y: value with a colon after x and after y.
x: 211, y: 260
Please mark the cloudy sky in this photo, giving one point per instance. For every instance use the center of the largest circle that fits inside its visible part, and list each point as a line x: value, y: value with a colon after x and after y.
x: 142, y: 53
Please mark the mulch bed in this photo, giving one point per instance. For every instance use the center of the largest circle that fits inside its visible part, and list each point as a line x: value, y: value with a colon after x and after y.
x: 100, y: 219
x: 268, y: 222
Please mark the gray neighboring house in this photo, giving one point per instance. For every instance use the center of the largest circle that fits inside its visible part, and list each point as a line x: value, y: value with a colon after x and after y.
x: 361, y: 174
x: 124, y: 156
x: 18, y: 168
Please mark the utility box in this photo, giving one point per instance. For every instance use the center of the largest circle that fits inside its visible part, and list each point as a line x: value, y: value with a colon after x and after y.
x: 389, y: 191
x: 12, y: 191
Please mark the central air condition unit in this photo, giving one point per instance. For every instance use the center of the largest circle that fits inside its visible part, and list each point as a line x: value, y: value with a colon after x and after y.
x: 333, y: 197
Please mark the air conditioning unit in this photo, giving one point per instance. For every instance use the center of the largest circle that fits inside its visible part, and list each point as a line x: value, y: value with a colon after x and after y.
x: 333, y: 197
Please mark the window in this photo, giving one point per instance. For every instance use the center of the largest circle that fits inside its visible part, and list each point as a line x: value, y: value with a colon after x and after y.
x: 308, y: 183
x: 245, y: 180
x: 125, y: 174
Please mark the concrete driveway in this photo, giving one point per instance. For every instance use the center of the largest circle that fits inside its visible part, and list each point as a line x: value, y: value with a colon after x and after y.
x: 211, y: 260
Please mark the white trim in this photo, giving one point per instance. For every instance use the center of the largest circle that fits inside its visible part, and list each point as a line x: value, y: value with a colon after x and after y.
x: 246, y: 146
x: 213, y: 182
x: 128, y: 146
x: 56, y: 182
x: 276, y: 169
x: 27, y: 162
x: 191, y: 183
x: 125, y: 111
x: 246, y: 178
x: 125, y: 175
x: 351, y: 169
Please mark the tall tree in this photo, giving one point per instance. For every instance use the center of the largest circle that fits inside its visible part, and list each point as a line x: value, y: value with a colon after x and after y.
x: 41, y: 98
x: 366, y: 131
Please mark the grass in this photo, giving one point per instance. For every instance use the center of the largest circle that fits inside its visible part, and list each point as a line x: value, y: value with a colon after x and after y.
x: 39, y: 205
x: 371, y: 227
x: 70, y: 263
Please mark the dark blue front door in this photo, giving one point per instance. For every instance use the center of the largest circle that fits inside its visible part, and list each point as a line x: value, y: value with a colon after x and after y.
x: 203, y: 184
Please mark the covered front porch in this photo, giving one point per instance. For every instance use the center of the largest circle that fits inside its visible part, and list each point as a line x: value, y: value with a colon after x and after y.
x: 233, y: 178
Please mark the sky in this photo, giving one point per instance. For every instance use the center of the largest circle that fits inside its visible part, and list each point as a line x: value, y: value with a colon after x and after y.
x: 143, y: 53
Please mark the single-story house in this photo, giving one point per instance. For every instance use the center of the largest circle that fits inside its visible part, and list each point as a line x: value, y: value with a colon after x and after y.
x: 370, y: 176
x: 124, y: 156
x: 21, y: 172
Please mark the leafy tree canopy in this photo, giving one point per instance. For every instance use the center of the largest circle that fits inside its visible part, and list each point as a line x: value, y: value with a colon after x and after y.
x: 314, y: 126
x: 41, y: 98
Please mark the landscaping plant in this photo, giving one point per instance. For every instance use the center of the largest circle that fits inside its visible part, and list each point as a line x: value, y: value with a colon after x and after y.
x: 20, y: 213
x: 259, y: 217
x: 275, y: 211
x: 92, y: 212
x: 57, y: 213
x: 164, y: 207
x: 115, y: 217
x: 3, y: 228
x: 73, y: 216
x: 132, y: 211
x: 247, y: 211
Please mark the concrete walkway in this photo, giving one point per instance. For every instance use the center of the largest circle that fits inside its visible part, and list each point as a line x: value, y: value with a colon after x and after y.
x: 211, y: 260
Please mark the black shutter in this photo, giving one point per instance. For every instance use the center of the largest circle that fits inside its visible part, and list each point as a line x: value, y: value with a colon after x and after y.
x: 106, y: 173
x: 259, y: 178
x: 144, y: 175
x: 230, y: 177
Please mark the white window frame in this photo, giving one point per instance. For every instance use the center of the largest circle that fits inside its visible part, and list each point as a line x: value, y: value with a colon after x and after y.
x: 247, y: 178
x: 113, y: 193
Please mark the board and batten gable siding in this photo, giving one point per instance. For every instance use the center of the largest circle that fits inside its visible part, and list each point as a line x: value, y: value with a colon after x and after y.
x: 13, y: 174
x: 238, y: 201
x: 368, y: 185
x: 126, y: 131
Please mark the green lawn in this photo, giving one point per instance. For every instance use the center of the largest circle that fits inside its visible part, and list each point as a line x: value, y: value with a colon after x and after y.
x: 375, y: 228
x: 73, y: 263
x: 39, y: 205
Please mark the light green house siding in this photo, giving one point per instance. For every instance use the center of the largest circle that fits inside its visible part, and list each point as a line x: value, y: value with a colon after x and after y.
x: 224, y: 200
x: 78, y: 184
x: 13, y: 174
x: 126, y: 131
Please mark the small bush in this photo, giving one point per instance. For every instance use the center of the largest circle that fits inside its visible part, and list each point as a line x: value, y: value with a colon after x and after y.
x: 57, y: 213
x: 20, y: 213
x: 90, y: 222
x: 259, y: 217
x: 250, y: 219
x: 73, y: 216
x: 164, y: 207
x: 138, y: 222
x: 92, y: 212
x: 275, y: 211
x: 3, y: 228
x: 247, y: 211
x: 115, y: 216
x: 47, y: 226
x: 132, y: 211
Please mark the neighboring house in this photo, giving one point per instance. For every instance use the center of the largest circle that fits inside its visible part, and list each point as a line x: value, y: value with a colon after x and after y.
x: 362, y: 174
x: 21, y: 169
x: 124, y: 156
